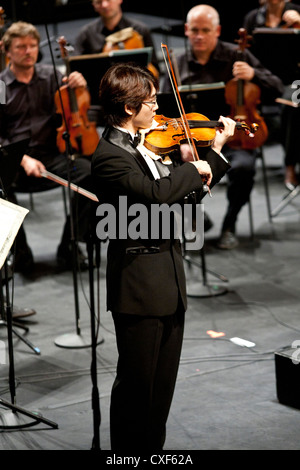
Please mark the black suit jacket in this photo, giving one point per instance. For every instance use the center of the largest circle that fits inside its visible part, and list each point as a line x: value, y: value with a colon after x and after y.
x: 153, y: 283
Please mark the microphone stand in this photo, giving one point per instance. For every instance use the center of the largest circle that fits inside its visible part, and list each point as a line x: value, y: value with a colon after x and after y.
x: 205, y: 289
x: 76, y: 340
x: 73, y: 340
x: 94, y: 334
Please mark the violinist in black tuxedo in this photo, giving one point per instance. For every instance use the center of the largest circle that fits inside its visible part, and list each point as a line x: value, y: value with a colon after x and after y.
x: 146, y: 290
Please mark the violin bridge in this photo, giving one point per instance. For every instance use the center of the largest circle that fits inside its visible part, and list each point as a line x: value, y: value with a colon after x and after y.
x: 163, y: 127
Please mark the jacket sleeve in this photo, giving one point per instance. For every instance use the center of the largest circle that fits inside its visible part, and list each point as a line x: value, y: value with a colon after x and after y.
x: 219, y: 166
x: 121, y: 175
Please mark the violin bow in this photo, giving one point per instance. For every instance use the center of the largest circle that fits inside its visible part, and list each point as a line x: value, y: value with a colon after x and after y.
x: 74, y: 187
x: 182, y: 113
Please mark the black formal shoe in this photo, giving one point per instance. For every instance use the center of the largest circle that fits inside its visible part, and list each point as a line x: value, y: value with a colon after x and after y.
x: 64, y: 258
x: 20, y: 312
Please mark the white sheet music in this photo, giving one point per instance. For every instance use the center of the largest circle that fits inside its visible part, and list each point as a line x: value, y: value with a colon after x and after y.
x: 11, y: 219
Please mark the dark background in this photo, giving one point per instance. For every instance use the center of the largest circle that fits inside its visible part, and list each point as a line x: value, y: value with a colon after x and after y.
x: 52, y: 11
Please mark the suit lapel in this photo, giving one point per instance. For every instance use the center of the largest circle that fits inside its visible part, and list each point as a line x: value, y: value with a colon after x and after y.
x: 121, y: 139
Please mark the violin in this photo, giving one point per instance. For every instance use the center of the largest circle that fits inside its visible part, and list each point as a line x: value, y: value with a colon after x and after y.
x: 73, y: 105
x: 127, y: 38
x: 181, y: 131
x: 193, y: 128
x: 170, y: 134
x: 243, y: 98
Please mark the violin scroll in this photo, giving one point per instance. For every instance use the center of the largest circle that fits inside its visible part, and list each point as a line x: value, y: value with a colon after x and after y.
x: 243, y: 40
x: 249, y: 129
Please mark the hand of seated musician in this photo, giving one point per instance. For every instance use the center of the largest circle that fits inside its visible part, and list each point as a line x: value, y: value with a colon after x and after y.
x: 291, y: 18
x: 242, y: 71
x: 75, y: 80
x: 32, y: 166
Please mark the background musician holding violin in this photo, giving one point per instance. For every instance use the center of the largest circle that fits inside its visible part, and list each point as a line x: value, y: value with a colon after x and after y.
x: 210, y: 60
x: 30, y: 113
x: 282, y: 14
x: 92, y: 37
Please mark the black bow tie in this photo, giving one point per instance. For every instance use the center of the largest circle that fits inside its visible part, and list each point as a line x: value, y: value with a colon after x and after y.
x: 135, y: 140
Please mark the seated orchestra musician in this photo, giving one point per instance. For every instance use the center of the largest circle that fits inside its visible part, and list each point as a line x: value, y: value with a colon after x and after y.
x: 282, y: 14
x: 211, y: 60
x: 30, y: 113
x: 92, y: 38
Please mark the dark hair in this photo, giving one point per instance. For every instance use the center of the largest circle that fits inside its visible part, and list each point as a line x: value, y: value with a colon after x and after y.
x: 124, y: 84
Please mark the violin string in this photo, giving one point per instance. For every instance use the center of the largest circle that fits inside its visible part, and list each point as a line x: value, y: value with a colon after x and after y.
x: 177, y: 101
x: 174, y: 123
x: 185, y: 123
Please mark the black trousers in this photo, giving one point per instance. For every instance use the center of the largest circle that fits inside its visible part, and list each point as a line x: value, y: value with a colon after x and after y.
x: 149, y: 351
x: 290, y: 133
x: 240, y: 183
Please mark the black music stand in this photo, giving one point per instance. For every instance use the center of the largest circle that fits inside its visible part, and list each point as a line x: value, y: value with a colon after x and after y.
x: 94, y: 66
x: 10, y: 158
x: 279, y: 51
x: 210, y: 100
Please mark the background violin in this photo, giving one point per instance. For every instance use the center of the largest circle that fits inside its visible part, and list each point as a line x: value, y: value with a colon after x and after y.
x: 170, y: 132
x: 127, y: 38
x: 243, y: 98
x: 73, y: 105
